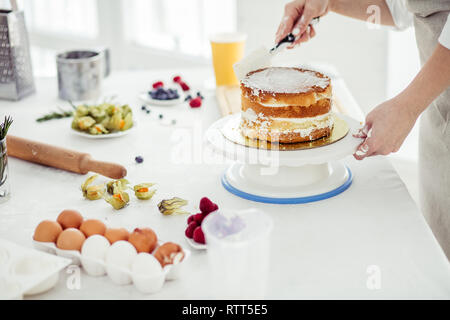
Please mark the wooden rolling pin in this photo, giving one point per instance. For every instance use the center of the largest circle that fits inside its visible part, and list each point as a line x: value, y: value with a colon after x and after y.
x: 61, y: 158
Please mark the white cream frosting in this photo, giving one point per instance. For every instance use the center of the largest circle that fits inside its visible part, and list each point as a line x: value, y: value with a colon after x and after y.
x: 284, y: 80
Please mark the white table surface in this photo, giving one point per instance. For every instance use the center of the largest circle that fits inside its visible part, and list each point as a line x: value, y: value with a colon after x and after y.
x: 319, y: 250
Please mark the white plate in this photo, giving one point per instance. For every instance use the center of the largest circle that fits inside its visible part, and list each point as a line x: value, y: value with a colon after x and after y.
x: 195, y: 245
x: 145, y: 97
x: 105, y: 136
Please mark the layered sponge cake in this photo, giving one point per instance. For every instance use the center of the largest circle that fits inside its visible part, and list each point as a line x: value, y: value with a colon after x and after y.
x: 286, y: 105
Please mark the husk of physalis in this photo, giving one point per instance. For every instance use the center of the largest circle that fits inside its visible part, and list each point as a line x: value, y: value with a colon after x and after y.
x: 172, y: 206
x: 115, y: 186
x: 94, y: 192
x: 142, y: 191
x: 118, y: 200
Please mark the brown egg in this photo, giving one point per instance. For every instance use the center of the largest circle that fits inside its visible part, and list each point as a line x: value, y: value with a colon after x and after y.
x: 116, y: 234
x: 169, y: 252
x: 70, y: 239
x: 92, y: 226
x: 47, y: 231
x: 70, y: 219
x: 144, y: 240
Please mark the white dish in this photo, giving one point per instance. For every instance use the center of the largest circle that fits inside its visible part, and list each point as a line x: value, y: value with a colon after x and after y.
x: 105, y: 136
x: 27, y: 271
x: 145, y: 97
x: 195, y: 245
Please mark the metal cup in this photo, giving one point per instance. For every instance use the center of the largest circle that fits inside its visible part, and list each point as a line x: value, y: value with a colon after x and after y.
x: 80, y: 74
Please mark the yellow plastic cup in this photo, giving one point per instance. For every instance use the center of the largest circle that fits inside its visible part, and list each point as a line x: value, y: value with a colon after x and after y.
x: 227, y: 49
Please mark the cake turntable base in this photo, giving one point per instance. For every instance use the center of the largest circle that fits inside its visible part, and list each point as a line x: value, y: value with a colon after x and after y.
x: 285, y: 176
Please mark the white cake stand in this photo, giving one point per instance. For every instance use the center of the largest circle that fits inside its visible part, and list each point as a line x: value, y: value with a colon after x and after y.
x: 285, y: 177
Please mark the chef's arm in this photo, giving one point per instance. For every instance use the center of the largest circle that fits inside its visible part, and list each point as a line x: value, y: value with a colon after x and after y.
x: 298, y: 15
x: 429, y: 83
x: 388, y: 125
x: 362, y: 10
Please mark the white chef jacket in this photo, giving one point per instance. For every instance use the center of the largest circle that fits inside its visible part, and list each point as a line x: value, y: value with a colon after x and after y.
x: 404, y: 19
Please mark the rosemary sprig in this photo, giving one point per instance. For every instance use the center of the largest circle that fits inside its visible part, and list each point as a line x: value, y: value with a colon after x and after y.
x: 56, y: 115
x: 4, y: 127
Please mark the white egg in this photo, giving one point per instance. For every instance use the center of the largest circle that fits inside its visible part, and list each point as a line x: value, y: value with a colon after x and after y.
x: 119, y: 258
x: 93, y: 255
x: 145, y: 264
x: 147, y: 273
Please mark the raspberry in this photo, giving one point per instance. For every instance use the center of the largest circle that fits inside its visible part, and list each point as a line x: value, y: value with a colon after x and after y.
x: 177, y: 79
x: 190, y: 219
x: 195, y: 103
x: 199, y: 236
x: 190, y: 229
x: 199, y: 218
x: 158, y: 84
x: 207, y: 206
x: 184, y: 86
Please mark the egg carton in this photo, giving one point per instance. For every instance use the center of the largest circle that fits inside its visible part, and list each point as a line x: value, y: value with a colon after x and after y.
x: 25, y: 271
x: 118, y: 274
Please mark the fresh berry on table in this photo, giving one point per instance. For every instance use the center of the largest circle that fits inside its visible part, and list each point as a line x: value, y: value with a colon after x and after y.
x: 194, y: 229
x: 184, y: 86
x: 159, y: 93
x: 195, y: 103
x: 158, y: 84
x: 198, y: 235
x: 176, y: 79
x: 139, y: 159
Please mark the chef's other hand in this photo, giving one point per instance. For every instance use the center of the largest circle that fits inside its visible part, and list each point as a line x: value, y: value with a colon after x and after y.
x: 386, y: 128
x: 297, y: 17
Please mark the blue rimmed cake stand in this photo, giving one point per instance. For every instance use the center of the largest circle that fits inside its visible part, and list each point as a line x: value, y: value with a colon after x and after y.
x: 284, y: 177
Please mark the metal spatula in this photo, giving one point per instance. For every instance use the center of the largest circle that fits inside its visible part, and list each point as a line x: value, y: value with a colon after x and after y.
x: 262, y: 57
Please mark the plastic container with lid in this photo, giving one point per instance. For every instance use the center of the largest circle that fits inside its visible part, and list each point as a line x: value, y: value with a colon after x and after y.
x: 238, y: 247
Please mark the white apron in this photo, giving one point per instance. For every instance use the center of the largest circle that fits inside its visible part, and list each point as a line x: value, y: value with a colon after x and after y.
x: 434, y: 139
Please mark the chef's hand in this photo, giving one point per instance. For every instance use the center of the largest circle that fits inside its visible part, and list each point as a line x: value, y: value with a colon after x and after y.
x: 297, y: 17
x: 385, y: 129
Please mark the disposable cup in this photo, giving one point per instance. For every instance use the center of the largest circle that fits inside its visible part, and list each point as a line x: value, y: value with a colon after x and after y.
x: 227, y: 49
x: 238, y: 249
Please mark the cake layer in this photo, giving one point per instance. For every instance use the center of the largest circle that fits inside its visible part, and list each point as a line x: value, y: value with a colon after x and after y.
x: 286, y: 137
x: 278, y: 86
x: 285, y: 130
x: 322, y: 106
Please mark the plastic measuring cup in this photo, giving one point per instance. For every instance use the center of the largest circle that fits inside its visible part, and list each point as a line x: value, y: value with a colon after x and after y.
x: 238, y: 248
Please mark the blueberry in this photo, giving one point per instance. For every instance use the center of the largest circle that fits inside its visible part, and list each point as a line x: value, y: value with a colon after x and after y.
x: 188, y: 98
x: 139, y: 159
x: 163, y: 96
x: 161, y: 116
x: 148, y: 111
x: 198, y: 94
x: 160, y: 89
x: 143, y: 107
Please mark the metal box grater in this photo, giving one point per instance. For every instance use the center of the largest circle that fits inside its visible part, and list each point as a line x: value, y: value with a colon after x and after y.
x: 16, y: 75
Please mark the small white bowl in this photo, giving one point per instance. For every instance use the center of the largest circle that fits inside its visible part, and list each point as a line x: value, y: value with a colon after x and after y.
x: 195, y: 245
